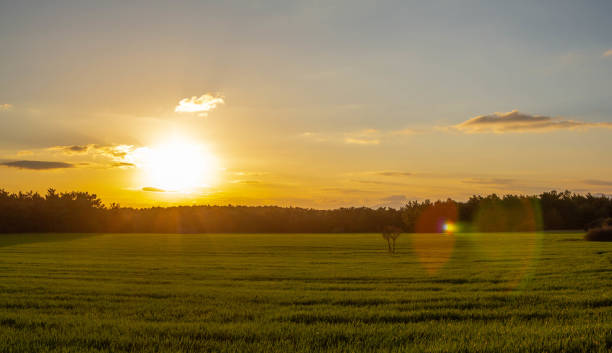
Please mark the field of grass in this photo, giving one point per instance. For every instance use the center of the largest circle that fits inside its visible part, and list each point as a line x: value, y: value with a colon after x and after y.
x: 304, y: 293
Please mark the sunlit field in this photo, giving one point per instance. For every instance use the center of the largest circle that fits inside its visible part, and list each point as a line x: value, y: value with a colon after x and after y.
x: 305, y: 293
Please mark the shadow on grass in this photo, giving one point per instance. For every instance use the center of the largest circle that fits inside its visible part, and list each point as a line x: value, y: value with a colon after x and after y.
x: 30, y: 238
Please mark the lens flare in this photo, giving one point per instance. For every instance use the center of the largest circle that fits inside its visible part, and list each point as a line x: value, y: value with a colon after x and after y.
x: 432, y: 250
x: 523, y: 217
x: 449, y: 227
x: 435, y: 250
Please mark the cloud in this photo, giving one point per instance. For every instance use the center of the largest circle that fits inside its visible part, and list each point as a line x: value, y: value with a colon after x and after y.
x: 37, y: 165
x: 394, y: 174
x: 404, y: 132
x: 202, y: 104
x: 395, y: 198
x: 369, y: 137
x: 116, y: 152
x: 152, y: 189
x: 346, y: 190
x: 361, y: 141
x: 489, y: 181
x: 394, y: 201
x: 123, y: 165
x: 363, y: 137
x: 77, y: 148
x: 5, y: 106
x: 251, y: 182
x: 25, y: 153
x: 376, y: 182
x: 607, y: 53
x: 598, y: 182
x: 73, y: 149
x: 516, y: 121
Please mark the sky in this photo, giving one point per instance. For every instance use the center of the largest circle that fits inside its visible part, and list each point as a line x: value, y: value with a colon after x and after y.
x: 305, y: 103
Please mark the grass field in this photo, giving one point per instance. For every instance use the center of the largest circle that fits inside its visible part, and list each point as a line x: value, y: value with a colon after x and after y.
x: 304, y: 293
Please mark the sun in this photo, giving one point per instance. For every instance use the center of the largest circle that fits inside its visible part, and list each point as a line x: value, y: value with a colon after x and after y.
x: 178, y: 165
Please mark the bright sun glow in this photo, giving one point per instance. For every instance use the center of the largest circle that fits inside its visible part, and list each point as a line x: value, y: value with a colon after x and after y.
x: 179, y: 165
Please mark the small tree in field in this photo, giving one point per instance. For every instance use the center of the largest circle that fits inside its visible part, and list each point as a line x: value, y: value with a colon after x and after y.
x: 390, y: 234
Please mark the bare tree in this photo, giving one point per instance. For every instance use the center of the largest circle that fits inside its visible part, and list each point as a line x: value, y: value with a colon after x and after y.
x: 390, y: 234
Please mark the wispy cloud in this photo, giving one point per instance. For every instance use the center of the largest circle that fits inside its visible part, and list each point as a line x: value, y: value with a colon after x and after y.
x: 108, y: 156
x: 5, y: 106
x: 395, y: 198
x: 250, y: 182
x: 361, y: 141
x: 364, y: 137
x: 516, y: 121
x: 37, y: 165
x: 24, y: 153
x: 152, y: 189
x: 489, y: 181
x: 596, y: 182
x: 201, y: 105
x: 393, y: 173
x: 607, y: 53
x: 404, y: 132
x: 73, y: 149
x: 116, y: 152
x: 361, y: 137
x: 123, y: 165
x: 394, y: 201
x: 377, y: 182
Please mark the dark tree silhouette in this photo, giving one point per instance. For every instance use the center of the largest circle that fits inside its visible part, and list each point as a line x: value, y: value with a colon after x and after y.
x: 390, y: 234
x: 84, y: 212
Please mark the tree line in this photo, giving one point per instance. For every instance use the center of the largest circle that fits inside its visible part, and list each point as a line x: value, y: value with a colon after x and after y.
x: 85, y: 212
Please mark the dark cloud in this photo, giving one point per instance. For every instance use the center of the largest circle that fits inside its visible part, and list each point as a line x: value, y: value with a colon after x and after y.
x: 152, y: 189
x: 394, y: 174
x: 37, y: 165
x: 598, y: 182
x: 516, y: 121
x: 111, y: 151
x: 76, y: 148
x: 123, y: 165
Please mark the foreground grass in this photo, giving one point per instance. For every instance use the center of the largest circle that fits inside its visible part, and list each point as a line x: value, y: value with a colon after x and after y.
x: 304, y: 293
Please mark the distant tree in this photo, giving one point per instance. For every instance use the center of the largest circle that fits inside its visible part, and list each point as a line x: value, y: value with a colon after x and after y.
x: 390, y: 234
x: 84, y: 212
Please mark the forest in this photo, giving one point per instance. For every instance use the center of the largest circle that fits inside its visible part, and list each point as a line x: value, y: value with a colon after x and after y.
x: 24, y: 212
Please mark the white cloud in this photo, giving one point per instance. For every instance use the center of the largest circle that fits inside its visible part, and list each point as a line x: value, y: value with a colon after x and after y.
x: 201, y: 105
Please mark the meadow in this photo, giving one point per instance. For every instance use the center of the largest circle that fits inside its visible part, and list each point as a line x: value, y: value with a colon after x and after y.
x: 496, y: 292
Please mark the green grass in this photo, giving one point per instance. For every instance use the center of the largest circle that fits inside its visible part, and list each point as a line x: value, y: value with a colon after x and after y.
x: 304, y: 293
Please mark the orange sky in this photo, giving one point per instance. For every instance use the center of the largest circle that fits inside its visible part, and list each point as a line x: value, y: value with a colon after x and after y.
x: 296, y: 104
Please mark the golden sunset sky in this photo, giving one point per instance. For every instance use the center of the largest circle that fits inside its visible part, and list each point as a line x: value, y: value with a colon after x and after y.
x: 302, y: 103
